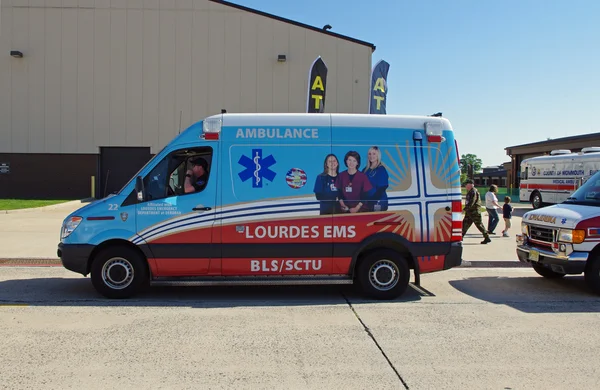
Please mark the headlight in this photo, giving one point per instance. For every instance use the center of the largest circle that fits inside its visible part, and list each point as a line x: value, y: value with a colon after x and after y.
x: 573, y: 236
x: 69, y: 225
x: 524, y: 229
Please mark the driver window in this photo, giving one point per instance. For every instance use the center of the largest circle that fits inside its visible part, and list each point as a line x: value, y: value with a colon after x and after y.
x: 181, y: 172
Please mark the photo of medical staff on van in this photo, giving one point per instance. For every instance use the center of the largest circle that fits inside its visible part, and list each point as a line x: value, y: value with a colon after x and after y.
x: 379, y: 179
x: 354, y: 186
x: 326, y: 189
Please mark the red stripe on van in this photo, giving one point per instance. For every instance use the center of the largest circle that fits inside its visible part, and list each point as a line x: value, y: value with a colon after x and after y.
x: 456, y: 236
x: 535, y: 186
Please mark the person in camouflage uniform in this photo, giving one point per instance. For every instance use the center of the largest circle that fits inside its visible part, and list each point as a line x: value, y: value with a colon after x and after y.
x: 472, y: 211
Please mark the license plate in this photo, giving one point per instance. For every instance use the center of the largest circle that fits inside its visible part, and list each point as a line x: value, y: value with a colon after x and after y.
x: 534, y: 255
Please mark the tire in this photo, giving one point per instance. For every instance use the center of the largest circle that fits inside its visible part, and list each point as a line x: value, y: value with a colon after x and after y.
x: 119, y: 272
x: 383, y: 274
x: 547, y: 272
x: 592, y: 274
x: 536, y: 200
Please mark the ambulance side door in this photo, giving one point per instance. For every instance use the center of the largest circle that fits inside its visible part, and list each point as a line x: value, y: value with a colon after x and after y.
x: 177, y: 226
x: 277, y: 199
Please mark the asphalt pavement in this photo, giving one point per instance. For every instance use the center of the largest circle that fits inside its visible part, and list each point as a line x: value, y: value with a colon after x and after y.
x: 466, y: 328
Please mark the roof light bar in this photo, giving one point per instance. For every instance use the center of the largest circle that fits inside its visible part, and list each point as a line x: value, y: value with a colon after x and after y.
x: 211, y: 128
x: 433, y: 131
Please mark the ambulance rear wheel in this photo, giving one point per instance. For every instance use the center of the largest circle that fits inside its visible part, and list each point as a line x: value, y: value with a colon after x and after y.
x: 547, y: 272
x: 536, y: 200
x: 592, y: 274
x: 119, y: 272
x: 383, y: 274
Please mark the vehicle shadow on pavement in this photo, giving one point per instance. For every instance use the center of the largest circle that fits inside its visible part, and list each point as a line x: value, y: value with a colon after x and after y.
x: 80, y: 292
x: 532, y: 294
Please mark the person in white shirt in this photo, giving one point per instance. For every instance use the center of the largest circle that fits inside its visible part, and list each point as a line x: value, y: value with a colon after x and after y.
x: 491, y: 205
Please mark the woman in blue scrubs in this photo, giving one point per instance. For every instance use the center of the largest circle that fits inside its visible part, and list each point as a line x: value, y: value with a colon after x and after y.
x: 378, y: 177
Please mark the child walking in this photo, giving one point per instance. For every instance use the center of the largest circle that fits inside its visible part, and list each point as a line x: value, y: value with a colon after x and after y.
x: 507, y: 215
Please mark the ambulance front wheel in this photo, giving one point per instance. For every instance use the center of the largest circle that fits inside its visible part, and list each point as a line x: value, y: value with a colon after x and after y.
x: 383, y: 274
x: 536, y: 200
x: 118, y: 272
x: 592, y: 274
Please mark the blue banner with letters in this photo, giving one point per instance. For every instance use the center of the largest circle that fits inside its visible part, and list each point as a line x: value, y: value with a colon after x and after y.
x: 379, y: 88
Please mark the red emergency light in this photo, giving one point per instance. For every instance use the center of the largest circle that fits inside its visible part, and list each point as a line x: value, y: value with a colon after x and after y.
x: 433, y: 131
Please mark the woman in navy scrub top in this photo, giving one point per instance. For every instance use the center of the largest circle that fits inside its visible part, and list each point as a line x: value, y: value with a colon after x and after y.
x: 378, y: 177
x: 325, y: 189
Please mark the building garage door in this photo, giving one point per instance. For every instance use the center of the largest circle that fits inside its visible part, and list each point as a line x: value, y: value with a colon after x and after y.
x: 118, y: 165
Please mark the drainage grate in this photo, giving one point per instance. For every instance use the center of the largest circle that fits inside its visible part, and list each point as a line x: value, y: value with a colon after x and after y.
x: 31, y: 262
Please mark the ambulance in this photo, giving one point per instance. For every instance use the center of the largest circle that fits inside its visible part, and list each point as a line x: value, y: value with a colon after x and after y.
x: 564, y: 238
x: 552, y: 179
x: 279, y: 199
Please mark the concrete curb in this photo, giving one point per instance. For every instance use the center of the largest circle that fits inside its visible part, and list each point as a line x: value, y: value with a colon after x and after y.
x: 46, y: 208
x: 493, y: 264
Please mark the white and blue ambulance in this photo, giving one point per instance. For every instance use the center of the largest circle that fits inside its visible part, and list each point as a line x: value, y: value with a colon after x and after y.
x: 274, y: 199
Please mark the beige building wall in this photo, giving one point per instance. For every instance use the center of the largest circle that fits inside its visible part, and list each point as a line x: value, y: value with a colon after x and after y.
x: 121, y: 73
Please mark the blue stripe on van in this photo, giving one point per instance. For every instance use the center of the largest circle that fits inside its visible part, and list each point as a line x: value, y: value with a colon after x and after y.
x: 214, y: 214
x: 148, y: 236
x: 207, y: 218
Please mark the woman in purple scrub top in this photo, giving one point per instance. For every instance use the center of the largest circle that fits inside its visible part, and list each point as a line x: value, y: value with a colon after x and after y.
x: 354, y: 185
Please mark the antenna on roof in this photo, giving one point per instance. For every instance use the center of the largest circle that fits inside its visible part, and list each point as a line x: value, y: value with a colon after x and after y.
x: 327, y: 27
x: 223, y: 111
x: 180, y: 111
x: 439, y: 114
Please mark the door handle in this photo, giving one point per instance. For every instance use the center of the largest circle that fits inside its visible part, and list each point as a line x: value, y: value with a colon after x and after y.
x: 201, y: 208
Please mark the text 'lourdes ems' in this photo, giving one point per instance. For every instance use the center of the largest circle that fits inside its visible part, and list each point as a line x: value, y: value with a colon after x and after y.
x: 301, y: 232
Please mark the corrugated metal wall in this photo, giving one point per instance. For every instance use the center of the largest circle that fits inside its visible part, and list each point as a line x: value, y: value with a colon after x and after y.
x: 118, y: 73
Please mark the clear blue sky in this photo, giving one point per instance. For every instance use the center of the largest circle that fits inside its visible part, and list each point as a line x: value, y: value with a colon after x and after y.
x: 504, y: 72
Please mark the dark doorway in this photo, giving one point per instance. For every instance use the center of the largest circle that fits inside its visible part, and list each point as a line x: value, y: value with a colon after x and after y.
x: 118, y: 165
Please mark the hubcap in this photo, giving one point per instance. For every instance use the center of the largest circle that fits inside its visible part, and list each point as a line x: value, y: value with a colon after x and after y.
x: 536, y: 201
x: 384, y: 275
x: 117, y: 273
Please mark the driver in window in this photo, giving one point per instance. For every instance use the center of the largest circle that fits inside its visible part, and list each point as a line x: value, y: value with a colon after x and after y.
x: 197, y: 177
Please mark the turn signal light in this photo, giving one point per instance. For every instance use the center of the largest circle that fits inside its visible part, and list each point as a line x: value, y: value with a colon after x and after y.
x: 578, y: 236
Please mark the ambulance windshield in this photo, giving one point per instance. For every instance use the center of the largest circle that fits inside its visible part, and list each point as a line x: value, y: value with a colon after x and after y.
x: 588, y: 193
x: 140, y: 170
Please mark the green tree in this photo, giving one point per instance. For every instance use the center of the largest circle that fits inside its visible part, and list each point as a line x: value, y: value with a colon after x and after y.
x: 463, y: 177
x: 467, y: 159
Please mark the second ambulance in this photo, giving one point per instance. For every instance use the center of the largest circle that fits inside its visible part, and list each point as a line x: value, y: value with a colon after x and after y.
x: 565, y: 238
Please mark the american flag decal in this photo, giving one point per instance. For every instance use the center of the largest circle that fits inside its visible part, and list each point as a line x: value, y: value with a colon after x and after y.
x: 295, y: 178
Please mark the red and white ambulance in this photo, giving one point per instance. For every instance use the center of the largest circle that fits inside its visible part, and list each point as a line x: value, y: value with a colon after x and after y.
x: 552, y: 179
x: 565, y: 238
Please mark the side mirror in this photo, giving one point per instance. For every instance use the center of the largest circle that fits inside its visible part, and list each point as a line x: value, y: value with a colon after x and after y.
x: 139, y: 189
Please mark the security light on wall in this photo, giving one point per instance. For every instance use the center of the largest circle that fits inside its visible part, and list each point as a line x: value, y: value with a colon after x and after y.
x: 281, y: 58
x: 16, y: 54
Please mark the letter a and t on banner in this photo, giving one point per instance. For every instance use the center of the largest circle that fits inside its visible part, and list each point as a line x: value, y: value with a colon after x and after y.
x: 379, y: 88
x: 317, y: 84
